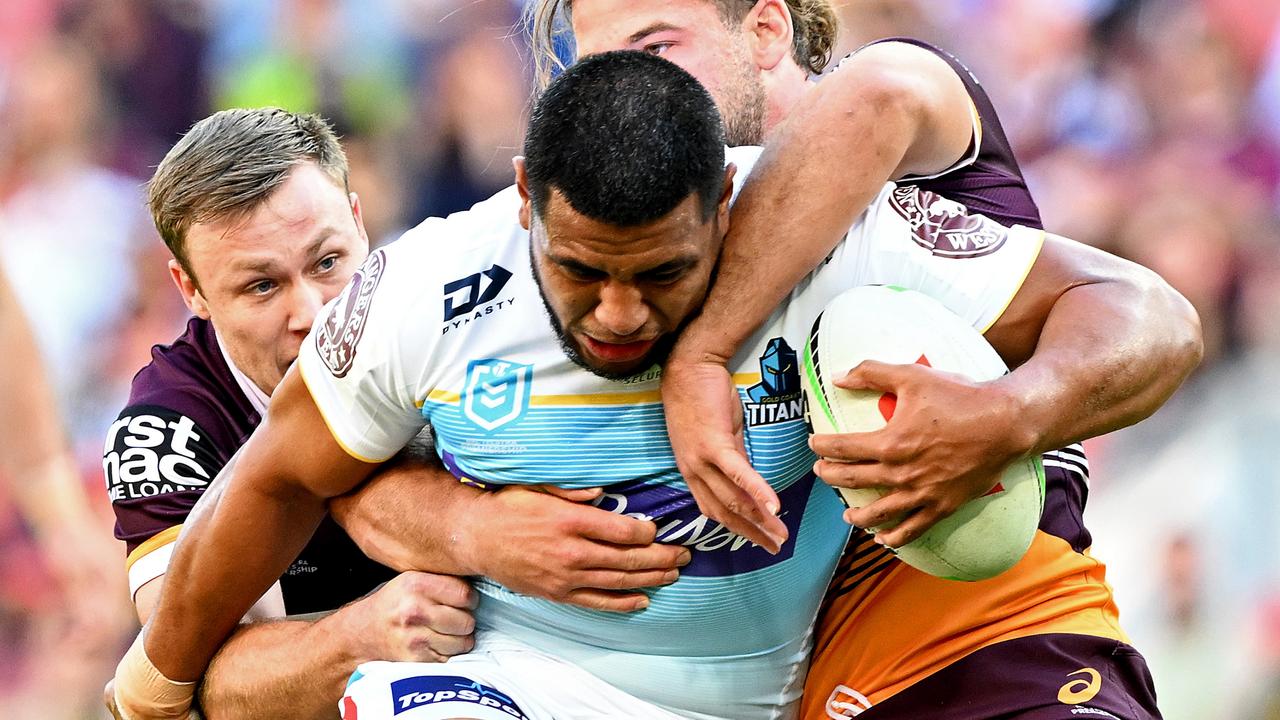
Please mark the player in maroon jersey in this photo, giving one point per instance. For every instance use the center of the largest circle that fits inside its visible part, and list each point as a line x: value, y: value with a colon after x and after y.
x: 897, y: 109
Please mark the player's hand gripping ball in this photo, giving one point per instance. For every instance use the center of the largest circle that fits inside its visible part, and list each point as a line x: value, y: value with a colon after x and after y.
x: 986, y: 536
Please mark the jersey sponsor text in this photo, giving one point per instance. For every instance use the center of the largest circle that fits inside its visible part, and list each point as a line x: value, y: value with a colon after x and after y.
x: 154, y: 451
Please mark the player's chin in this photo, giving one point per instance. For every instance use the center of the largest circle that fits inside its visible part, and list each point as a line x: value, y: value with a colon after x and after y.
x: 620, y: 371
x: 283, y: 366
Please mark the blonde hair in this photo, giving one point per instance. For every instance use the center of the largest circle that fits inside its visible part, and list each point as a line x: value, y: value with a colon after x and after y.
x: 814, y: 25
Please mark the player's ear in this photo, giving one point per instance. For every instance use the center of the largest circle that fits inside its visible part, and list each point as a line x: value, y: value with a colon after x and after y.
x: 771, y: 32
x: 522, y: 186
x: 359, y: 216
x: 726, y: 196
x: 189, y: 290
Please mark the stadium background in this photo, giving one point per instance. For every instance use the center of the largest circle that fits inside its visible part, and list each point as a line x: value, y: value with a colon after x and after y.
x: 1150, y: 129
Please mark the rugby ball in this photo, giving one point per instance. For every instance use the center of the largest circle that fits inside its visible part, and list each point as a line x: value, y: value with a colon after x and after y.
x: 987, y: 535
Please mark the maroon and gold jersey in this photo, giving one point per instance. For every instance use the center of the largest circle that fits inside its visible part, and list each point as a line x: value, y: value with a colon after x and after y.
x: 887, y: 630
x: 189, y: 411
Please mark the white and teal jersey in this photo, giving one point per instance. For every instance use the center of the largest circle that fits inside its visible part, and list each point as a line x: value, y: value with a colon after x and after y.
x: 446, y: 326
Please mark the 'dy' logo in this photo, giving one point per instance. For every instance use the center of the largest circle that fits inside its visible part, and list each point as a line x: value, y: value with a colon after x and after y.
x: 475, y: 297
x: 776, y: 398
x: 496, y: 392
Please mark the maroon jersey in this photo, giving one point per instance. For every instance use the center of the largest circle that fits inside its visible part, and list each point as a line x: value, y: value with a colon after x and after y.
x: 871, y: 658
x: 992, y: 184
x: 185, y: 418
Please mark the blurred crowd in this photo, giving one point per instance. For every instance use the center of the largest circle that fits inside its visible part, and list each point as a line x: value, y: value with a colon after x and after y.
x: 1148, y: 128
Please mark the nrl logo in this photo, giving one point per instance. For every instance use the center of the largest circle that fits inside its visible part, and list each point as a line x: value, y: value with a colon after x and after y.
x: 337, y: 338
x: 945, y: 227
x: 497, y: 392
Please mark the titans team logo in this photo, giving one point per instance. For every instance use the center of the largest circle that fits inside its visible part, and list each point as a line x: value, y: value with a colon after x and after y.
x: 776, y: 398
x: 496, y: 392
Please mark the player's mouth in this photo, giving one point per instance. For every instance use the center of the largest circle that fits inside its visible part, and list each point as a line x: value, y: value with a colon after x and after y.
x: 617, y: 352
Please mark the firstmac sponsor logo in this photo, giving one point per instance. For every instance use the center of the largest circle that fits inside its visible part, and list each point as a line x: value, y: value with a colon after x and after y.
x: 153, y: 451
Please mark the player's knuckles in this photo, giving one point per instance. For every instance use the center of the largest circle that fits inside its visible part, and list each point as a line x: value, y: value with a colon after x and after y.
x: 899, y: 447
x: 576, y: 555
x: 836, y: 446
x: 448, y: 621
x: 429, y: 588
x: 620, y: 529
x: 659, y: 557
x: 555, y: 583
x: 437, y: 648
x: 640, y: 532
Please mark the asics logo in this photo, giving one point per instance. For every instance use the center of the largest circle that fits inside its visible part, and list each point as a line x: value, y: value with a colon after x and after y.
x: 845, y: 702
x: 1082, y: 690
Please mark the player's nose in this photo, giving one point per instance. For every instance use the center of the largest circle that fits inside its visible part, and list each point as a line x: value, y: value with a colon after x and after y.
x: 621, y: 310
x: 305, y: 300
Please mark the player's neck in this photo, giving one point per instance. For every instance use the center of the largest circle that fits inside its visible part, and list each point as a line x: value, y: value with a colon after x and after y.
x: 784, y: 94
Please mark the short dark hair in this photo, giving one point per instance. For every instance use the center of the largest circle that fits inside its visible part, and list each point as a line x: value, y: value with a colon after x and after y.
x: 625, y: 137
x: 230, y: 162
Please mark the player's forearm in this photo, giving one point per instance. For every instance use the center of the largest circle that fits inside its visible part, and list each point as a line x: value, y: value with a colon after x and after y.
x: 375, y: 517
x: 290, y: 670
x: 1109, y: 355
x: 34, y: 454
x: 232, y: 548
x: 890, y: 110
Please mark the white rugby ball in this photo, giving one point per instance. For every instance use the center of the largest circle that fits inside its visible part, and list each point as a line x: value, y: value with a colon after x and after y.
x: 987, y: 535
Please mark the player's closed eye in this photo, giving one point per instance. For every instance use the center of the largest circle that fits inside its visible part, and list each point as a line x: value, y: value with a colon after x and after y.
x: 582, y: 273
x: 664, y: 277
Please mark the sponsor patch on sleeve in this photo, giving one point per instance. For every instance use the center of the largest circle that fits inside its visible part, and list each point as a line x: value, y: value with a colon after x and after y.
x: 152, y: 450
x: 944, y: 227
x: 339, y: 336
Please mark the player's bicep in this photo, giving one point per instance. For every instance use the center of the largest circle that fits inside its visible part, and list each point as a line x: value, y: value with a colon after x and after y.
x: 362, y: 362
x: 145, y: 599
x: 295, y: 451
x: 947, y: 126
x: 1062, y: 264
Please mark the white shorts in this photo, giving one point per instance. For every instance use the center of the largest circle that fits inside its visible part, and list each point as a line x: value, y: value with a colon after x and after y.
x: 501, y: 679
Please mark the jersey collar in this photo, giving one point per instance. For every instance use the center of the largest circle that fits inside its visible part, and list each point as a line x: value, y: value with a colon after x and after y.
x: 257, y: 398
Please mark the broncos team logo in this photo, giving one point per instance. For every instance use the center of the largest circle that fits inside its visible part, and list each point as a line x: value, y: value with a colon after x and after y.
x: 496, y: 392
x: 945, y: 227
x: 337, y: 338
